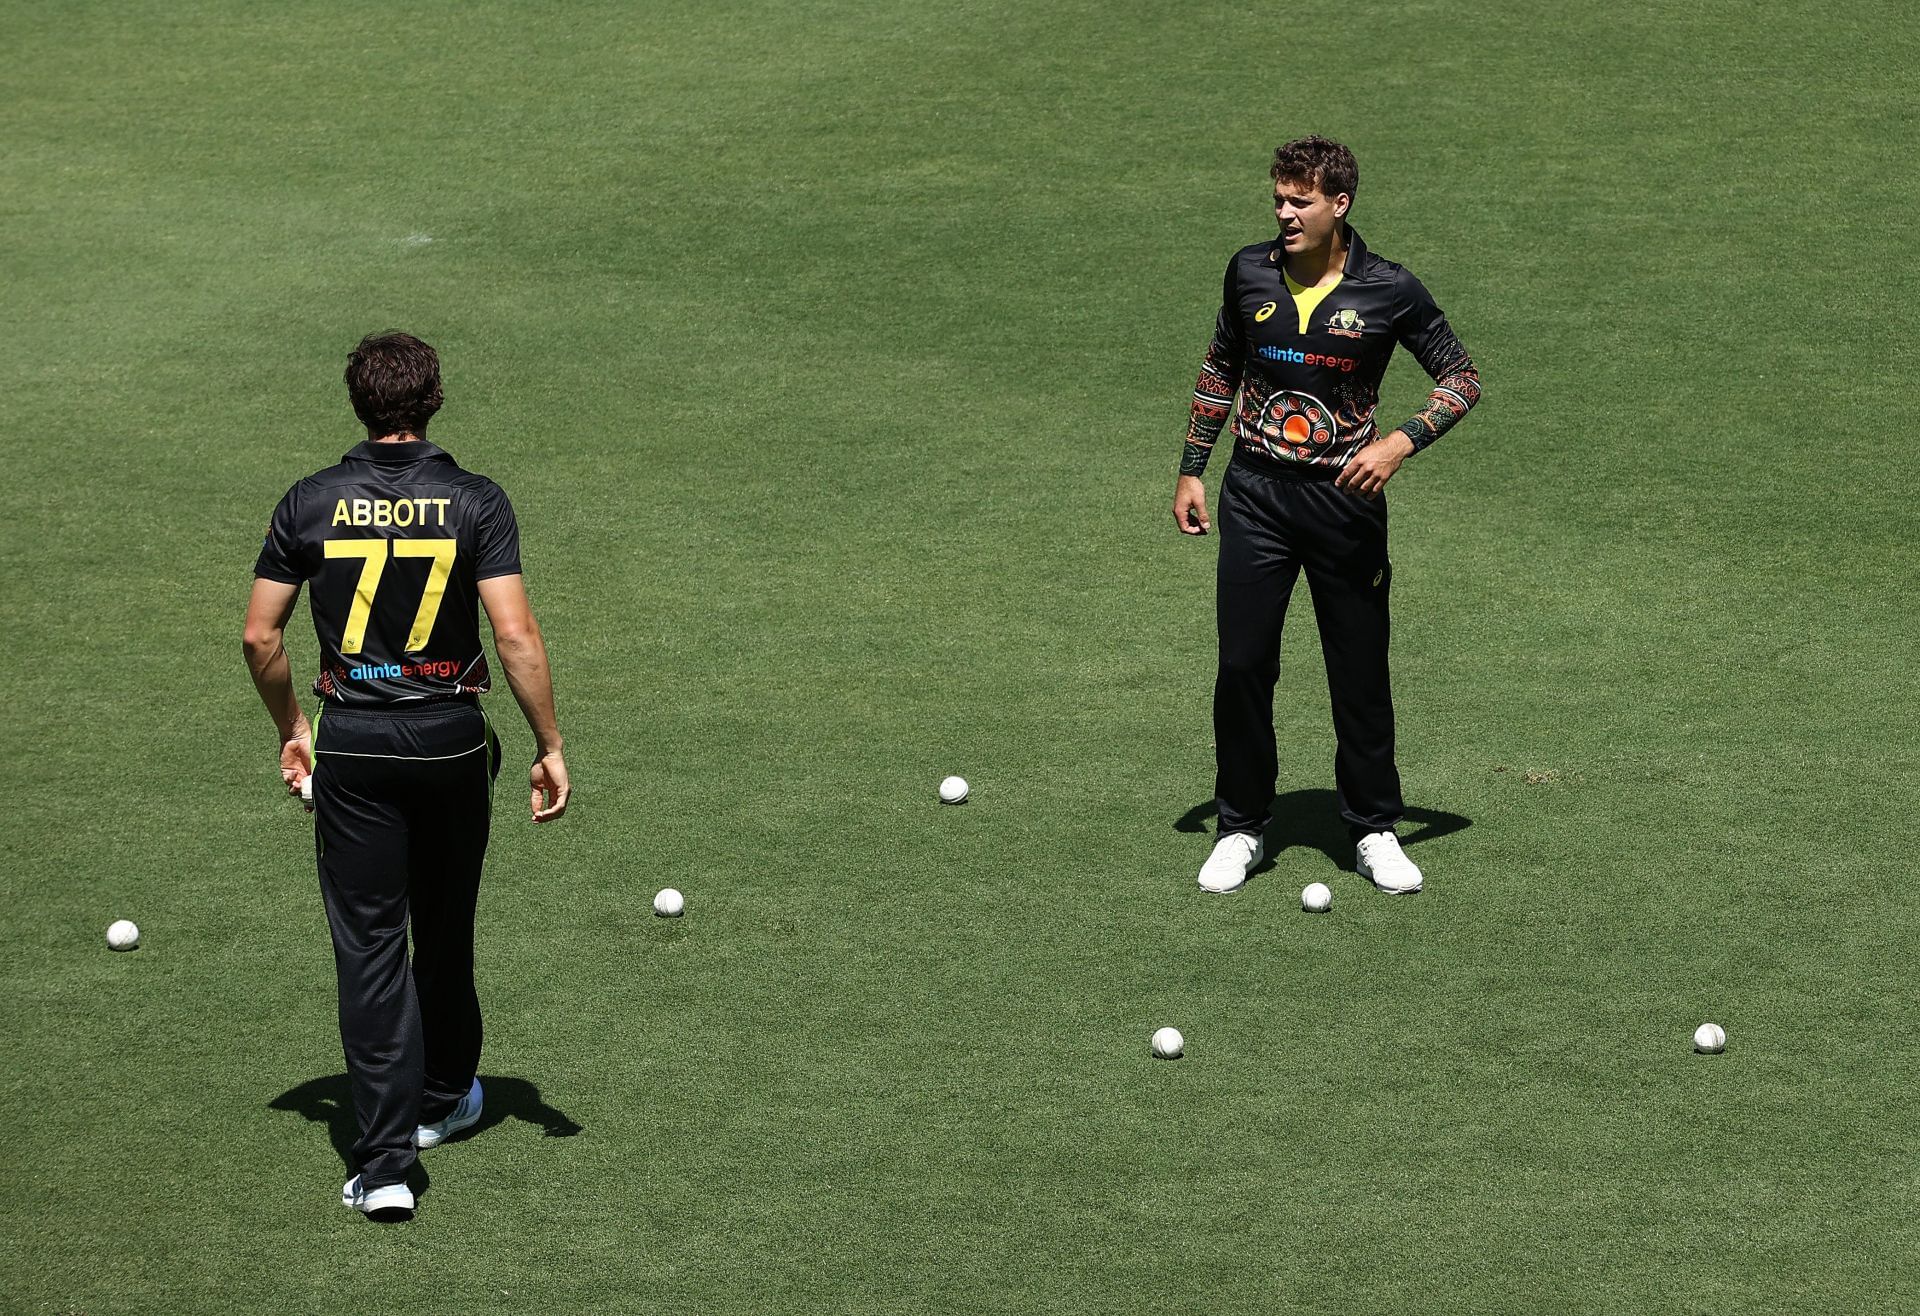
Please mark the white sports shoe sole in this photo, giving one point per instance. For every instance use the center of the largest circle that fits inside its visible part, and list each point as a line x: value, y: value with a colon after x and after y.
x: 390, y: 1200
x: 465, y: 1116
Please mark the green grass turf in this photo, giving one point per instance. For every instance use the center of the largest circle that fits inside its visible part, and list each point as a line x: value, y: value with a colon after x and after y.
x: 836, y: 358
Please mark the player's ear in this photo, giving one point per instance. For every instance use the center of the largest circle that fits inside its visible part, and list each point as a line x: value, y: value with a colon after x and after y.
x: 1342, y: 204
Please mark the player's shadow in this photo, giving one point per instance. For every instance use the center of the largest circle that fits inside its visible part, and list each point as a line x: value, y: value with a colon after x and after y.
x: 1311, y: 819
x: 328, y: 1101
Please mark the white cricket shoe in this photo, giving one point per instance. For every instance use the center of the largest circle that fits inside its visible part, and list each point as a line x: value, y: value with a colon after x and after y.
x: 465, y: 1116
x: 389, y: 1201
x: 1234, y: 856
x: 1381, y: 861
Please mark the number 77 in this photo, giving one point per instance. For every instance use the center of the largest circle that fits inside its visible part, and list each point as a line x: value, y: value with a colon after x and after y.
x: 373, y: 553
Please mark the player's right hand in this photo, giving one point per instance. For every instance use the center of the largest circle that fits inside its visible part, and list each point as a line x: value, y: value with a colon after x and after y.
x: 1190, y: 505
x: 550, y: 786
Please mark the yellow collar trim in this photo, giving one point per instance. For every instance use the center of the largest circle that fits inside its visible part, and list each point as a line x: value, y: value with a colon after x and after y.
x: 1307, y: 300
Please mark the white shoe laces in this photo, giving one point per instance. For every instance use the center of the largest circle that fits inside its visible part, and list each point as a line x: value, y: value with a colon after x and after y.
x: 1380, y: 846
x: 1248, y: 844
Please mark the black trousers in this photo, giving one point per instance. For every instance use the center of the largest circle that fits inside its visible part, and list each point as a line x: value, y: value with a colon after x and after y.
x: 402, y: 806
x: 1271, y: 526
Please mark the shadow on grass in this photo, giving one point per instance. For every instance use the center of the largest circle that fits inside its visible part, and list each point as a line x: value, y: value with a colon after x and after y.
x: 328, y: 1101
x: 1311, y: 819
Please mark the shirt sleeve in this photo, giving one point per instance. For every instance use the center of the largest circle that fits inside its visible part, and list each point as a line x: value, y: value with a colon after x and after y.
x: 1219, y: 378
x: 280, y: 556
x: 1422, y: 329
x: 496, y: 538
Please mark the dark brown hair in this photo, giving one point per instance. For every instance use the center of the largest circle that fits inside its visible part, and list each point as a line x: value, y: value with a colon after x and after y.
x: 1319, y: 161
x: 394, y: 381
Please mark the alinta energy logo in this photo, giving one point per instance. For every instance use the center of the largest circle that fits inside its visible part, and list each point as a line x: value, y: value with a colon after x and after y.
x: 446, y: 669
x: 1293, y: 356
x: 1346, y: 323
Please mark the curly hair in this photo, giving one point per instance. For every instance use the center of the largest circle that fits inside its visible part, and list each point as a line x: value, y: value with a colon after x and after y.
x: 394, y: 382
x: 1320, y: 161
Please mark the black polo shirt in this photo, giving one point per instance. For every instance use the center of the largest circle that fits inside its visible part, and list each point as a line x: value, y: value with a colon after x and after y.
x: 1308, y: 362
x: 395, y: 539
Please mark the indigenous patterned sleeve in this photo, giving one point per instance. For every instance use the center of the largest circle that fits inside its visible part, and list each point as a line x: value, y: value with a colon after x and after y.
x: 1219, y: 378
x: 1423, y: 330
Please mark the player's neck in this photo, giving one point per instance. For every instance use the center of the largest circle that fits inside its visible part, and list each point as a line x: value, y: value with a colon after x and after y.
x: 1312, y: 268
x: 404, y: 436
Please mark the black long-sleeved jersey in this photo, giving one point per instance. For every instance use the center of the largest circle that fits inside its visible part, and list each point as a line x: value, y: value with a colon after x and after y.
x: 395, y: 539
x: 1307, y: 362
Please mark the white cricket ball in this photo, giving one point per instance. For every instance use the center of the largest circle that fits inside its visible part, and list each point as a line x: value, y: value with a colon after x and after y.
x: 122, y: 934
x: 1168, y: 1044
x: 953, y: 790
x: 669, y: 903
x: 1709, y: 1039
x: 306, y: 789
x: 1316, y: 898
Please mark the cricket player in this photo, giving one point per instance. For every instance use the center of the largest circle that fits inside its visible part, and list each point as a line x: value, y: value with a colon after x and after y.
x: 1307, y: 322
x: 403, y: 548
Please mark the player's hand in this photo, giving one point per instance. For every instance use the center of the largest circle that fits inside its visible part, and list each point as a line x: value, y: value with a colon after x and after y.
x: 296, y: 757
x: 550, y: 786
x: 1190, y: 505
x: 1370, y: 468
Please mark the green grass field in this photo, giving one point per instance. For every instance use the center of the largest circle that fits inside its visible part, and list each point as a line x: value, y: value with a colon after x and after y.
x: 837, y: 358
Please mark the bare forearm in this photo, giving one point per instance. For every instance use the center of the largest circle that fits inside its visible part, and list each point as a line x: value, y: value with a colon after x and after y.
x: 273, y: 678
x: 524, y: 655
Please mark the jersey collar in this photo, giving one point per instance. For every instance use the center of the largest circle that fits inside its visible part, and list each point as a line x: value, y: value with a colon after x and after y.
x: 394, y: 454
x: 1356, y: 254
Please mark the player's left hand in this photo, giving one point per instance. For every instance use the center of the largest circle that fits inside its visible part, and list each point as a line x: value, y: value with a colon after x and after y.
x: 296, y: 758
x: 551, y: 788
x: 1370, y: 468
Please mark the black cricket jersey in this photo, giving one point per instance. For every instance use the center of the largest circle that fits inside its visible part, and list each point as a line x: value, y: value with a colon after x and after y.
x: 395, y: 539
x: 1307, y: 362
